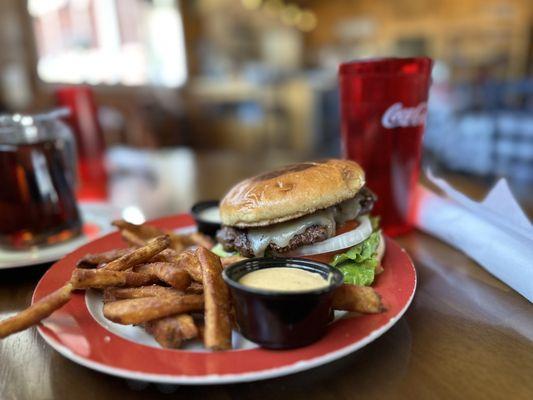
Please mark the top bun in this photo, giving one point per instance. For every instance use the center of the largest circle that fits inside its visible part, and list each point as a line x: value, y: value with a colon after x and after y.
x: 291, y: 192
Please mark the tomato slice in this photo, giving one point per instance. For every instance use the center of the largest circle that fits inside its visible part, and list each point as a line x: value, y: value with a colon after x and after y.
x: 328, y: 257
x: 347, y: 226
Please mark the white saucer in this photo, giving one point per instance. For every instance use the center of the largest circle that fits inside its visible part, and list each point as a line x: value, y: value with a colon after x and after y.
x: 96, y: 214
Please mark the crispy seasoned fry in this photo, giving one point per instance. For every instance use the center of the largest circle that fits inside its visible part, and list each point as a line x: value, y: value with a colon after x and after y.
x: 167, y: 255
x: 190, y: 241
x: 195, y: 288
x: 149, y: 269
x: 36, y: 312
x: 140, y: 255
x: 361, y: 299
x: 132, y: 238
x: 169, y: 273
x: 102, y: 278
x: 140, y: 234
x: 139, y: 311
x: 169, y: 332
x: 217, y: 303
x: 227, y: 261
x: 95, y: 260
x: 176, y: 277
x: 108, y: 296
x: 178, y: 243
x: 190, y: 263
x: 114, y: 293
x: 188, y: 327
x: 143, y: 231
x: 202, y: 240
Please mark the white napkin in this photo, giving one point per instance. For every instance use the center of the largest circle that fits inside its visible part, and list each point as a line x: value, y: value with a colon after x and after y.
x: 494, y: 232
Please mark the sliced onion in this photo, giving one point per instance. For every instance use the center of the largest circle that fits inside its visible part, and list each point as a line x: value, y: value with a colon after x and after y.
x: 339, y: 242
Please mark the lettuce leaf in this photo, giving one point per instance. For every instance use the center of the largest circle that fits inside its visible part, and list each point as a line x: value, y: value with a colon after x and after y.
x: 359, y: 263
x: 361, y: 274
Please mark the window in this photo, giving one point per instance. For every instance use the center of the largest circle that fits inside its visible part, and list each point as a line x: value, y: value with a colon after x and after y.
x: 128, y: 42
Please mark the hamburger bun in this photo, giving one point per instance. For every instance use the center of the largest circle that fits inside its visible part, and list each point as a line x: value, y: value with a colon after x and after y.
x: 291, y: 192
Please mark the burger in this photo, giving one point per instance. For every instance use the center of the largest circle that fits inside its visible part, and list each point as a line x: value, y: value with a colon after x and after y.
x: 318, y: 209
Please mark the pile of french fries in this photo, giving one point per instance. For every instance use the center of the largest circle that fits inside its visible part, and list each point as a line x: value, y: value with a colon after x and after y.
x: 171, y: 285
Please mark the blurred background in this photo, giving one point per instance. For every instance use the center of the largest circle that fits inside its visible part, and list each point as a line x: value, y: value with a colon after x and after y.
x: 191, y: 95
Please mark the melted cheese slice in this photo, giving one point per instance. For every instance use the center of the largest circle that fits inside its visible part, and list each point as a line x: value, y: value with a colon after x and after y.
x: 282, y: 233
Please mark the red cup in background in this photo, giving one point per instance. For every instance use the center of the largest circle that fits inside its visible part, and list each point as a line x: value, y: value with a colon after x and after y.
x: 90, y: 142
x: 383, y: 111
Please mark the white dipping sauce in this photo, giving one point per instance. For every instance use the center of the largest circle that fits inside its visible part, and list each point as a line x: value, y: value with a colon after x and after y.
x: 284, y: 279
x: 211, y: 214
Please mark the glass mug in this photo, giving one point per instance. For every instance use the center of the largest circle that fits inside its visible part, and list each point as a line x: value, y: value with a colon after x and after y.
x: 383, y: 112
x: 37, y: 180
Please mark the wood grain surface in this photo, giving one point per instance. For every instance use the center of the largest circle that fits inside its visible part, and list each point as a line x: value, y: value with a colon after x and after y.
x: 466, y: 336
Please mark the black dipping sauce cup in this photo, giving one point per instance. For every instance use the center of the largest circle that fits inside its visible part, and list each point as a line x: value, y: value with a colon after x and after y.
x: 277, y: 319
x: 208, y: 227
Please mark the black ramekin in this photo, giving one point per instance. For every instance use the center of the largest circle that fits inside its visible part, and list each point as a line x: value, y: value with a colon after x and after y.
x: 207, y: 227
x: 281, y: 320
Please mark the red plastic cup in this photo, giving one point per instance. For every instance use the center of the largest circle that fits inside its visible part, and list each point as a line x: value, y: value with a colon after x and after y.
x: 84, y: 122
x: 383, y: 110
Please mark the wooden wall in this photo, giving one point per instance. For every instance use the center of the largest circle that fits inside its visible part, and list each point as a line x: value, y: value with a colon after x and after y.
x: 466, y: 31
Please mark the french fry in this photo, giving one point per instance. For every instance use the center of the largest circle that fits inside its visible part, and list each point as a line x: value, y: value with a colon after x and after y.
x: 95, y: 260
x: 167, y: 255
x: 140, y: 234
x: 139, y: 311
x: 217, y: 334
x: 191, y: 240
x: 178, y: 243
x: 189, y: 261
x: 174, y: 276
x: 169, y: 273
x: 363, y: 299
x: 171, y: 331
x: 227, y: 261
x: 132, y: 239
x: 108, y: 295
x: 140, y: 255
x: 101, y: 278
x: 115, y: 293
x: 142, y: 231
x: 187, y: 326
x: 201, y: 240
x: 36, y: 312
x: 195, y: 288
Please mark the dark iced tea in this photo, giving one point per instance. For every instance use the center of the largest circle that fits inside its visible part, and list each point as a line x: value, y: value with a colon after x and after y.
x: 37, y: 203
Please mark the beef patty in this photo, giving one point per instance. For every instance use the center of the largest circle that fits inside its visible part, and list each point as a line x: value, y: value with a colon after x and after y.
x: 235, y: 239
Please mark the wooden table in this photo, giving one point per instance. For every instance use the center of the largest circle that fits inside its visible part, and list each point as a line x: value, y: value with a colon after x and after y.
x: 466, y: 335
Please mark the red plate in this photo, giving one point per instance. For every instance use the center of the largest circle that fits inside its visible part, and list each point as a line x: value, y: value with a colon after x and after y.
x: 86, y: 338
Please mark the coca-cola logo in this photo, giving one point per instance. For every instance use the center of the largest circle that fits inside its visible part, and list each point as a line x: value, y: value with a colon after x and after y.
x: 398, y: 116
